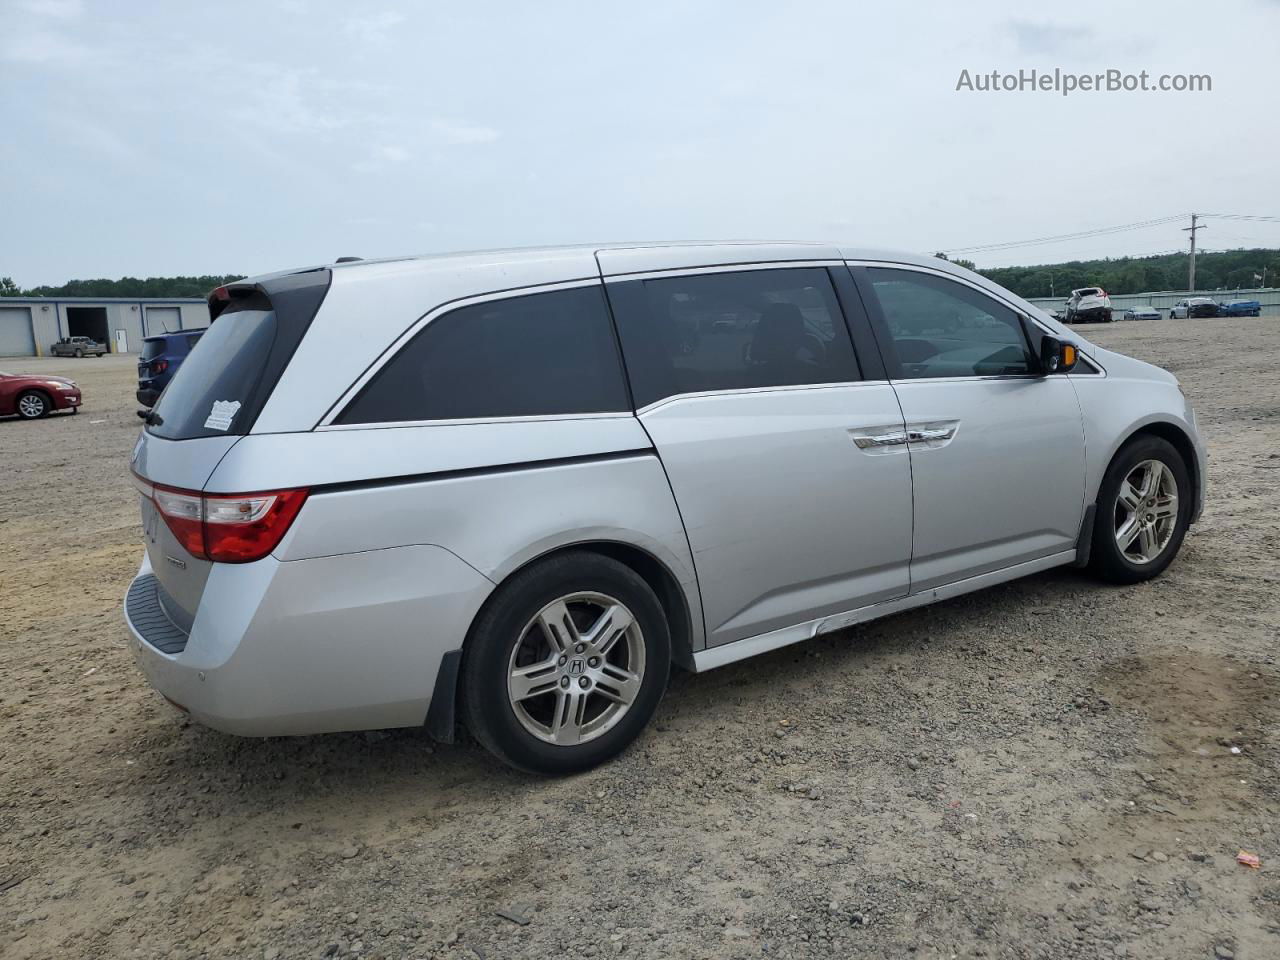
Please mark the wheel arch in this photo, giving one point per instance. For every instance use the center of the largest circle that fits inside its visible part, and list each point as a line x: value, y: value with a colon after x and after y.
x: 1181, y: 441
x: 657, y: 574
x: 441, y: 720
x: 48, y: 397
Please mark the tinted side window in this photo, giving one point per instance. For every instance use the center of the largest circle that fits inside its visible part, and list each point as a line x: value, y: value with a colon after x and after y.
x: 542, y: 354
x: 941, y: 328
x: 731, y: 331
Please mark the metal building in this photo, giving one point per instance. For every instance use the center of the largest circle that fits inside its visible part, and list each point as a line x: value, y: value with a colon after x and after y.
x: 29, y: 325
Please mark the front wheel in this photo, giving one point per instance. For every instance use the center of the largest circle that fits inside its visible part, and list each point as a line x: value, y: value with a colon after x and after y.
x: 1144, y: 508
x: 33, y: 405
x: 79, y: 353
x: 566, y: 664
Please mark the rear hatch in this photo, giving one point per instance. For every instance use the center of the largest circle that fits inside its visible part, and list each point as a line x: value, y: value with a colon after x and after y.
x: 153, y: 360
x: 212, y: 401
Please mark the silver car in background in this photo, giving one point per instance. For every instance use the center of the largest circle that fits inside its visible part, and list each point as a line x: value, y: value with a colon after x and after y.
x: 511, y: 489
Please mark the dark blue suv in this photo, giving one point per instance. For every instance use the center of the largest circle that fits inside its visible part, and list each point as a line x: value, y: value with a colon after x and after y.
x: 161, y: 357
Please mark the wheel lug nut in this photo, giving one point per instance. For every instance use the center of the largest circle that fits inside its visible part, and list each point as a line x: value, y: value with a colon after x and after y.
x: 579, y: 648
x: 583, y: 682
x: 593, y: 662
x: 564, y: 681
x: 563, y: 660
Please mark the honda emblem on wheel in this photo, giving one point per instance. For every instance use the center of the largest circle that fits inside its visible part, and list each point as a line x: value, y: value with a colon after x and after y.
x: 577, y: 667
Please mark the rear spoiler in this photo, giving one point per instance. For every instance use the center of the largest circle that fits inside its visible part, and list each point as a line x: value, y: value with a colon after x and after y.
x: 261, y: 288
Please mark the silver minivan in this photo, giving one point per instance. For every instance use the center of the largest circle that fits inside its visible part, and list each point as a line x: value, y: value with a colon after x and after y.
x: 509, y: 490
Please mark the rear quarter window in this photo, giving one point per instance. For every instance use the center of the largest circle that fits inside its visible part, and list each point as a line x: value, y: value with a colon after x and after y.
x: 544, y: 354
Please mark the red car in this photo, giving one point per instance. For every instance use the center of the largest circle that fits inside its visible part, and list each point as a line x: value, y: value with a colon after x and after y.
x: 30, y: 396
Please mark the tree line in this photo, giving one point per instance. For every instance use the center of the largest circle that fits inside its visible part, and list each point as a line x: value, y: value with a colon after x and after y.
x: 124, y: 287
x: 1225, y: 270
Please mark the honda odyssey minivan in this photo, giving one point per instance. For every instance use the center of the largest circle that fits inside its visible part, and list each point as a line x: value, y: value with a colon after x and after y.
x: 509, y: 490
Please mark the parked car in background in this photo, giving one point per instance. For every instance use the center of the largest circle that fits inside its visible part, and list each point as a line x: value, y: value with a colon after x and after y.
x: 160, y: 359
x: 504, y: 501
x: 1194, y: 307
x: 1089, y: 305
x: 1142, y: 312
x: 1240, y: 308
x: 31, y: 397
x: 77, y: 347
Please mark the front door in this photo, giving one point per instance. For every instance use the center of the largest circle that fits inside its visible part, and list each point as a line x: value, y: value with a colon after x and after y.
x: 997, y: 451
x: 786, y: 464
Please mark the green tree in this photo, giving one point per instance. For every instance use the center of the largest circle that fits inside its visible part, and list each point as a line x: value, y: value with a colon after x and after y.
x: 8, y: 288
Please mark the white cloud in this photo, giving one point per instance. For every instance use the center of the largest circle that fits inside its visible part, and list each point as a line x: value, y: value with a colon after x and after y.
x: 58, y: 9
x: 463, y: 133
x: 382, y: 158
x: 375, y: 28
x: 35, y: 46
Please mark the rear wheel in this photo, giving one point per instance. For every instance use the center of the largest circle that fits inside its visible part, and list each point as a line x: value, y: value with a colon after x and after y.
x: 566, y: 664
x: 33, y: 405
x: 1143, y: 511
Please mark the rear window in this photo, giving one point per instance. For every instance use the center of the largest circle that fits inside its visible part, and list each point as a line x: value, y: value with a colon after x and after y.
x: 152, y: 349
x: 213, y: 391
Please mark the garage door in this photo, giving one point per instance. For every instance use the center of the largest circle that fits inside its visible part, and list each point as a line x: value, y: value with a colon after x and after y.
x: 163, y: 320
x: 16, y: 339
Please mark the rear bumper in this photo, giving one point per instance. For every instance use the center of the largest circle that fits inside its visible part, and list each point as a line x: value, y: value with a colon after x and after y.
x: 277, y: 648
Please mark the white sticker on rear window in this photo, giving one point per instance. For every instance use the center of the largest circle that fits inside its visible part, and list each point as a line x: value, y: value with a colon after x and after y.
x: 221, y: 414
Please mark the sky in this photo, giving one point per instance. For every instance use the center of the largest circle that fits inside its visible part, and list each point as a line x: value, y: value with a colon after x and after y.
x: 165, y: 138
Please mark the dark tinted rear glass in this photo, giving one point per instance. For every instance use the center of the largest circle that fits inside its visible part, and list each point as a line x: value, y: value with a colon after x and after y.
x: 152, y: 349
x: 538, y: 355
x: 213, y: 391
x: 732, y: 331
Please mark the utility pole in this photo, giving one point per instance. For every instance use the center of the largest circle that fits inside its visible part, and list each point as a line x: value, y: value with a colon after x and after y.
x: 1191, y: 279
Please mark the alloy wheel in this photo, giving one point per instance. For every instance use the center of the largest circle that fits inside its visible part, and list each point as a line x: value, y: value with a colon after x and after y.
x: 1146, y: 511
x: 576, y: 669
x: 31, y: 406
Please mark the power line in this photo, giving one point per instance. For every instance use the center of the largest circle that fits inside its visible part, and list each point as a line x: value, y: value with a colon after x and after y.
x: 1241, y: 216
x: 1060, y: 238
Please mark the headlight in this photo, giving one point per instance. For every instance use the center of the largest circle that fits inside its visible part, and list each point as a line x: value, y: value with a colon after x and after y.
x: 66, y: 387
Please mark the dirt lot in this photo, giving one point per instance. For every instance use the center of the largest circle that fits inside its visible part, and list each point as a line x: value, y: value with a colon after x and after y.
x: 1040, y: 770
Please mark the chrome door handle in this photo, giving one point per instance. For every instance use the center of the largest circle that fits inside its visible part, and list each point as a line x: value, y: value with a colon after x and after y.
x: 881, y: 440
x: 923, y: 436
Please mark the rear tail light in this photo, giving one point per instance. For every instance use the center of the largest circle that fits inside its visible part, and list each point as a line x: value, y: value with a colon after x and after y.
x: 159, y: 366
x: 226, y: 527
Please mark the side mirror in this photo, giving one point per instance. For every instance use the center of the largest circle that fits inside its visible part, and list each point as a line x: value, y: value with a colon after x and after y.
x: 1057, y: 356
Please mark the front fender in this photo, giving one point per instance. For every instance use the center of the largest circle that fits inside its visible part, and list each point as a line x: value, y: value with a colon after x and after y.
x: 1129, y: 398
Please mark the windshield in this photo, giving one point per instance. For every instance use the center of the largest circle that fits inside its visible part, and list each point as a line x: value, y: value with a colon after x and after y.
x: 213, y: 391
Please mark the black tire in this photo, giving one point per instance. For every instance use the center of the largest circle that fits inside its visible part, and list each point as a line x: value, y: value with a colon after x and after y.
x: 487, y: 710
x: 1106, y: 559
x: 36, y: 405
x: 79, y: 353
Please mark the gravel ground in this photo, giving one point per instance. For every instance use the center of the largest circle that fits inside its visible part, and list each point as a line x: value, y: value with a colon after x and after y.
x: 1043, y: 769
